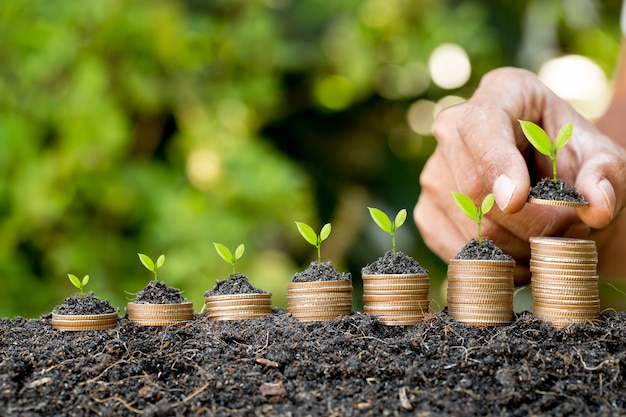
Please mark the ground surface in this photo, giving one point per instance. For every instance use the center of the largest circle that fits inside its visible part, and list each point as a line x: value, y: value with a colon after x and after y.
x: 350, y: 366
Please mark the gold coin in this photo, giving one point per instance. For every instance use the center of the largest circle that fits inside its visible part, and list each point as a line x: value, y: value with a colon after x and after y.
x: 555, y: 272
x: 235, y: 309
x: 317, y: 317
x: 564, y: 279
x: 553, y: 203
x: 80, y: 322
x: 392, y: 287
x: 391, y: 298
x: 160, y: 323
x: 397, y: 308
x: 342, y: 283
x: 394, y: 277
x: 482, y: 262
x: 161, y: 308
x: 240, y: 297
x: 561, y: 241
x: 481, y: 270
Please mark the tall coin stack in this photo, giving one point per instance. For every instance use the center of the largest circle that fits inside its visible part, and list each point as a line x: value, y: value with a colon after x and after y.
x: 564, y: 280
x: 396, y: 299
x: 319, y: 300
x: 480, y: 292
x: 238, y: 306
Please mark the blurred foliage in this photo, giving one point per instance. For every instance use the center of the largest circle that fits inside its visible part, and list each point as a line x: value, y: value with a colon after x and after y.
x: 162, y: 126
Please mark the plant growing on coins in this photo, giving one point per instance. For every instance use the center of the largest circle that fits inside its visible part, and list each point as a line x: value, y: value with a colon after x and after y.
x: 78, y: 283
x: 229, y: 256
x: 472, y: 211
x: 542, y: 142
x: 381, y: 219
x: 150, y: 264
x: 313, y: 238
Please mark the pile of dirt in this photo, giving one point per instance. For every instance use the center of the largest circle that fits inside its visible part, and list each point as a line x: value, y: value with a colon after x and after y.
x: 236, y: 283
x: 323, y: 271
x: 158, y: 292
x: 399, y: 263
x: 87, y: 303
x: 547, y: 189
x: 486, y: 250
x: 350, y: 366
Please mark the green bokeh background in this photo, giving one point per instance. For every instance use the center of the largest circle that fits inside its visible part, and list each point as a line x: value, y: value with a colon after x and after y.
x: 161, y: 126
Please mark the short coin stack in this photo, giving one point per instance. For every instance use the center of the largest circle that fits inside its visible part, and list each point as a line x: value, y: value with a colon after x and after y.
x: 396, y: 299
x: 144, y: 314
x: 238, y: 306
x: 319, y: 300
x: 564, y: 280
x: 480, y: 292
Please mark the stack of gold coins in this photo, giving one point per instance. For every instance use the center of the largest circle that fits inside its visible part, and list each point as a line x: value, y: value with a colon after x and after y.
x: 564, y: 280
x: 144, y: 314
x: 480, y: 292
x: 396, y: 299
x: 238, y: 306
x: 319, y: 300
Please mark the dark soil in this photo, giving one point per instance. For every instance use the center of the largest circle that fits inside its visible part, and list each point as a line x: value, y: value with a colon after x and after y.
x: 485, y: 251
x: 394, y: 264
x: 158, y: 292
x: 547, y: 189
x: 324, y: 271
x: 84, y: 304
x: 350, y: 366
x: 235, y: 284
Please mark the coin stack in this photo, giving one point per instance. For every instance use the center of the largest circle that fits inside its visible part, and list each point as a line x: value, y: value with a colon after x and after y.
x: 238, y: 306
x: 396, y: 299
x: 319, y: 300
x: 480, y: 292
x: 564, y: 280
x: 77, y: 322
x: 144, y: 314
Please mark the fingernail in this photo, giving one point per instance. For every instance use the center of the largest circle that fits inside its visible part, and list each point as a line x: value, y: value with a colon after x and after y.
x: 609, y: 195
x: 503, y: 189
x: 578, y: 231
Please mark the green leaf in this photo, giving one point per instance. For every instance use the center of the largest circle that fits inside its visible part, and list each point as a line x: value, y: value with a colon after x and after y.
x: 564, y: 136
x: 400, y: 218
x: 380, y: 218
x: 75, y: 281
x: 325, y: 232
x: 537, y: 137
x: 466, y: 205
x: 487, y: 203
x: 223, y: 252
x: 239, y: 251
x: 146, y: 261
x: 160, y: 261
x: 85, y: 280
x: 307, y: 233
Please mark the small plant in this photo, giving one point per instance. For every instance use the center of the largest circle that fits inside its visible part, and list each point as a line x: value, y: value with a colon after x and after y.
x: 227, y: 255
x: 150, y: 264
x: 475, y: 213
x: 542, y: 142
x: 80, y: 284
x: 313, y: 238
x: 387, y: 225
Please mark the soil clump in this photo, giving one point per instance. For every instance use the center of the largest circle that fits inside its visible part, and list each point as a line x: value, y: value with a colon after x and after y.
x: 158, y: 292
x: 323, y: 271
x: 236, y: 283
x: 547, y: 189
x: 484, y: 251
x: 399, y: 263
x: 85, y: 304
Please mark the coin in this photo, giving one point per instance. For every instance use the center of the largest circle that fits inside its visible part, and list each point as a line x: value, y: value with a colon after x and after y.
x: 554, y: 203
x: 561, y: 241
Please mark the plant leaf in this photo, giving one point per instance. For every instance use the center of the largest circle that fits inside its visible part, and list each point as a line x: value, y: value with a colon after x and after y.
x: 400, y: 218
x: 74, y: 280
x: 466, y: 205
x: 160, y: 261
x: 146, y: 261
x: 565, y: 133
x: 307, y: 233
x: 223, y: 252
x: 537, y: 137
x: 325, y: 232
x: 239, y: 251
x: 381, y: 219
x: 85, y: 280
x: 487, y: 203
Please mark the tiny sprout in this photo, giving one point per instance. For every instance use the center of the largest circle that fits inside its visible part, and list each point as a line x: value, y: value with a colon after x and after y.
x: 313, y: 238
x: 150, y: 264
x: 78, y: 283
x: 475, y: 213
x: 386, y: 225
x: 542, y: 142
x: 227, y: 255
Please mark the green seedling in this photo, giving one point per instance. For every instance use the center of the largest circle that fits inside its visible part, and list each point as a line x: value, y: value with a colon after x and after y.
x: 313, y: 238
x: 228, y: 256
x: 542, y: 142
x: 150, y: 264
x: 387, y: 225
x: 475, y: 213
x: 80, y: 284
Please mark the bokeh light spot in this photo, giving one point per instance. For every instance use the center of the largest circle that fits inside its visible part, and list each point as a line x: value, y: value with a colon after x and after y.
x: 420, y: 116
x: 334, y: 92
x: 449, y: 66
x: 203, y: 168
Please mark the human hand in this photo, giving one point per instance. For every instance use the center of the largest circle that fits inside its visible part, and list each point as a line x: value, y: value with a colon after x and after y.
x: 482, y: 149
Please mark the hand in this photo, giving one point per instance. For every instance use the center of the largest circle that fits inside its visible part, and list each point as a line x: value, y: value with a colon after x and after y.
x: 482, y: 149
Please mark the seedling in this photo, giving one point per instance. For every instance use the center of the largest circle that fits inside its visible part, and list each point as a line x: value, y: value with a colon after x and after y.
x: 387, y: 225
x: 542, y: 142
x: 227, y: 255
x: 150, y: 264
x: 475, y: 213
x: 313, y: 238
x: 80, y: 284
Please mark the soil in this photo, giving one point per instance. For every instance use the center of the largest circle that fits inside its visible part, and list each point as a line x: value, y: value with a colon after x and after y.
x: 158, y: 292
x: 399, y: 263
x: 485, y: 251
x: 84, y: 304
x: 547, y: 189
x: 236, y: 283
x: 350, y: 366
x: 323, y: 271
